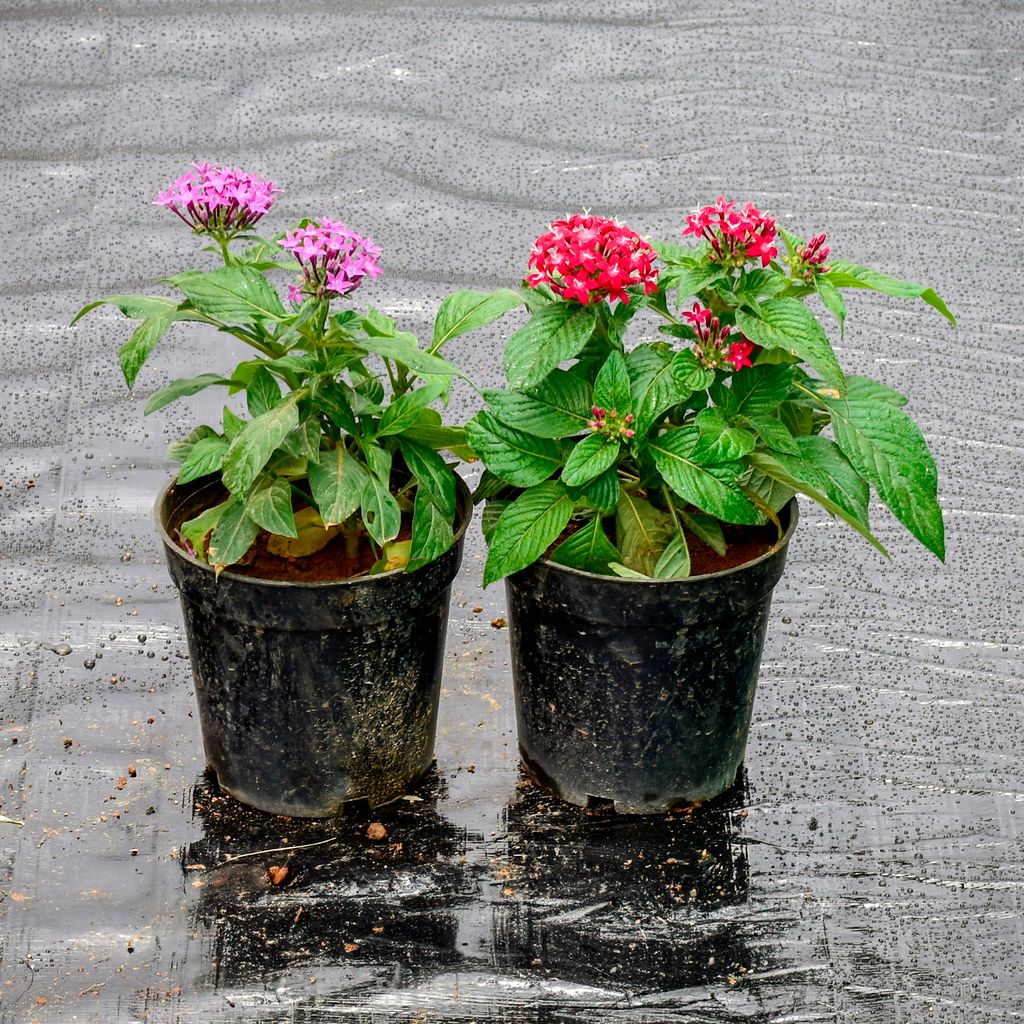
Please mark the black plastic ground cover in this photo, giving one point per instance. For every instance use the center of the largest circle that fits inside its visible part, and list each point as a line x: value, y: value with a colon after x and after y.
x: 869, y: 866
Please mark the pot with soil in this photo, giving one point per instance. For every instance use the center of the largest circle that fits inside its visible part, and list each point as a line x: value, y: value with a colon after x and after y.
x: 311, y: 692
x: 637, y: 691
x: 628, y: 489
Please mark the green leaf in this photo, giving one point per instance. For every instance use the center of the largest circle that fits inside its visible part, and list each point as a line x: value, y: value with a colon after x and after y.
x: 555, y: 333
x: 706, y: 528
x: 403, y: 349
x: 238, y: 294
x: 264, y: 254
x: 491, y: 514
x: 337, y: 482
x: 205, y: 457
x: 789, y: 325
x: 626, y: 573
x: 381, y: 514
x: 136, y: 350
x: 432, y: 533
x: 179, y: 450
x: 757, y: 391
x: 433, y: 476
x: 589, y: 459
x: 181, y: 388
x: 718, y: 441
x: 689, y: 279
x: 527, y: 528
x: 886, y: 447
x: 439, y: 437
x: 643, y: 532
x: 404, y: 411
x: 674, y: 563
x: 824, y: 474
x: 611, y: 388
x: 843, y: 274
x: 518, y: 458
x: 467, y: 310
x: 140, y: 307
x: 196, y: 529
x: 773, y: 433
x: 262, y: 392
x: 689, y: 373
x: 773, y: 493
x: 655, y: 388
x: 832, y: 301
x: 255, y: 443
x: 601, y: 494
x: 588, y: 549
x: 233, y: 536
x: 233, y: 425
x: 866, y: 389
x: 712, y: 487
x: 332, y: 398
x: 558, y: 407
x: 304, y: 440
x: 270, y: 506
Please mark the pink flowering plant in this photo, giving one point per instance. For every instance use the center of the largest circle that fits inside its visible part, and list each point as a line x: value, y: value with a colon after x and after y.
x: 339, y: 433
x: 615, y: 460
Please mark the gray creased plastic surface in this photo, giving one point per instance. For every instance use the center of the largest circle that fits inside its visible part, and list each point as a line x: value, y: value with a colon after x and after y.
x: 869, y: 869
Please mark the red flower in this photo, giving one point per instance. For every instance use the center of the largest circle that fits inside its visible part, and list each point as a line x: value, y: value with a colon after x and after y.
x: 588, y: 259
x: 735, y: 237
x: 739, y: 354
x: 714, y: 345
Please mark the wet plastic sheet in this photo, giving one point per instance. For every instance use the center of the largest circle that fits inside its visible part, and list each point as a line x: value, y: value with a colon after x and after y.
x: 870, y: 866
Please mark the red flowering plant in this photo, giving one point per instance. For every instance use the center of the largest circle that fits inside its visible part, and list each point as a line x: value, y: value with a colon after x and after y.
x: 622, y: 461
x: 339, y: 434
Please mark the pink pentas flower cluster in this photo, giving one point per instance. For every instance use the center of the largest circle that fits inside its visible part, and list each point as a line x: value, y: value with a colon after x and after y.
x: 589, y: 258
x: 334, y: 259
x: 736, y: 237
x: 220, y: 200
x: 716, y: 343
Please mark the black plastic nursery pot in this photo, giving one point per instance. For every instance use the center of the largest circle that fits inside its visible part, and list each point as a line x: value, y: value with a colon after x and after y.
x: 313, y: 694
x: 635, y: 691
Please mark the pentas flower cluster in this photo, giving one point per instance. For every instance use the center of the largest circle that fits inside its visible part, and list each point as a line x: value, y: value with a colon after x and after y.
x: 714, y: 347
x: 735, y: 237
x: 334, y: 259
x: 611, y: 424
x: 219, y: 200
x: 810, y: 260
x: 590, y: 259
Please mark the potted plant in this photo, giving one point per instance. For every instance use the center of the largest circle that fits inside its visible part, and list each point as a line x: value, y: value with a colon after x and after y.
x: 314, y: 534
x: 640, y: 499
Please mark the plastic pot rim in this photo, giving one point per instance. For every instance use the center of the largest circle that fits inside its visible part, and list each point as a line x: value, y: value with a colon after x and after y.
x: 464, y: 506
x: 792, y: 505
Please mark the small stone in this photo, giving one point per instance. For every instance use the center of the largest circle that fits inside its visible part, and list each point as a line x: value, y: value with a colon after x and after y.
x: 499, y: 623
x: 376, y: 831
x: 277, y: 874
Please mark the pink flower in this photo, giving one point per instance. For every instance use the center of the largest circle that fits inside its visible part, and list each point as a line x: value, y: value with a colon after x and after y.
x: 588, y: 259
x: 715, y: 345
x: 218, y: 200
x: 809, y: 261
x: 334, y: 259
x: 735, y: 238
x: 739, y: 354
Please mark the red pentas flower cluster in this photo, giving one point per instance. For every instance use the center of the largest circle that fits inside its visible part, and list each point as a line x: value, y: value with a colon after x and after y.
x: 589, y: 259
x: 715, y: 345
x: 735, y: 236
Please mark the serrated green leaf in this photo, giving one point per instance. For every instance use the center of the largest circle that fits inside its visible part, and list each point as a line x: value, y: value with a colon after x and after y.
x: 773, y: 493
x: 238, y: 294
x: 654, y: 386
x: 384, y: 339
x: 527, y: 528
x: 612, y: 388
x: 789, y: 325
x: 491, y: 514
x: 140, y: 307
x: 255, y: 443
x: 601, y: 494
x: 711, y: 487
x: 642, y: 531
x: 866, y: 389
x: 519, y: 458
x: 589, y: 459
x: 555, y: 333
x: 558, y: 407
x: 233, y: 536
x: 720, y: 442
x: 144, y: 339
x: 432, y: 474
x: 886, y: 447
x: 689, y: 280
x: 404, y: 411
x: 843, y: 274
x: 689, y: 373
x: 674, y: 563
x: 832, y: 301
x: 205, y: 457
x: 182, y: 388
x: 270, y: 506
x: 262, y: 392
x: 337, y: 482
x: 773, y: 433
x: 588, y: 549
x: 381, y: 515
x: 432, y: 533
x: 757, y: 391
x: 467, y: 310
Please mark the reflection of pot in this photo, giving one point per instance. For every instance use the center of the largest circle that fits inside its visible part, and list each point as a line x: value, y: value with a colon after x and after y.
x: 638, y: 691
x: 390, y: 901
x: 312, y: 694
x: 594, y: 899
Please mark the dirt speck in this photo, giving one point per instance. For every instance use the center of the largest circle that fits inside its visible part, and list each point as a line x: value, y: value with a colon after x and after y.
x: 376, y: 831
